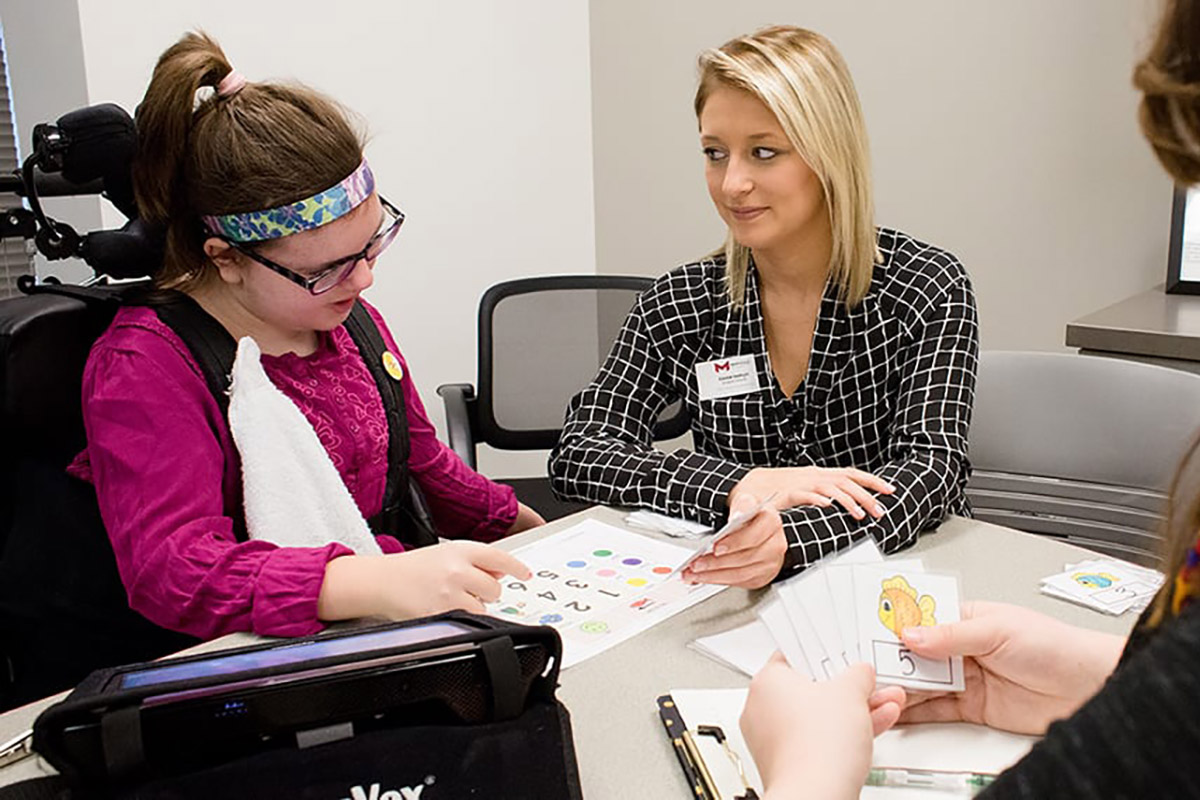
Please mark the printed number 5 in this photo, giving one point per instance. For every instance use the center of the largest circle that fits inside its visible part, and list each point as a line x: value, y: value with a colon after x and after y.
x: 908, y: 666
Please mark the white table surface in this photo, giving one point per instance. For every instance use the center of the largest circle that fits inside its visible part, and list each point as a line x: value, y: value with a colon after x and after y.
x: 619, y: 741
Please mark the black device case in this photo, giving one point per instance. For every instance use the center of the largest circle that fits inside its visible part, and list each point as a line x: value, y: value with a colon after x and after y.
x: 487, y: 726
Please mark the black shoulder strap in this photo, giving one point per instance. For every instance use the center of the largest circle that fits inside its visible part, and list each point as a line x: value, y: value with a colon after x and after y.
x: 404, y: 514
x: 211, y: 345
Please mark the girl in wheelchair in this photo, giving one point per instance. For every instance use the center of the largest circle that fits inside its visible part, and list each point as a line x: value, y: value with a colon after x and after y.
x: 273, y: 229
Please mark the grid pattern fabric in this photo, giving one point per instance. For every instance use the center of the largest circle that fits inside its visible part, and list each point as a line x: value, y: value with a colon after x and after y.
x: 15, y: 256
x: 889, y: 390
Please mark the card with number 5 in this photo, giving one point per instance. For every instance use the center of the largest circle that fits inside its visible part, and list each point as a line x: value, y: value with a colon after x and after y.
x: 886, y: 601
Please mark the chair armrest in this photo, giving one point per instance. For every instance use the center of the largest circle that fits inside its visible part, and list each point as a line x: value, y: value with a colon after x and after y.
x: 458, y: 400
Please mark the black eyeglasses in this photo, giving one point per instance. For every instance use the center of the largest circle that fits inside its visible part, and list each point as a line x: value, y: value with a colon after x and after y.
x: 336, y: 271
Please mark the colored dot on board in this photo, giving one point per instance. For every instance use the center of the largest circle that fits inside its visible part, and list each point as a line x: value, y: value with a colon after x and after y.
x: 602, y: 553
x: 606, y: 573
x: 577, y: 564
x: 633, y: 562
x: 661, y: 570
x: 636, y: 581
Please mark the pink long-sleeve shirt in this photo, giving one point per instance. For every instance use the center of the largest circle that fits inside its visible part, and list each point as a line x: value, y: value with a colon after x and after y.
x: 165, y: 469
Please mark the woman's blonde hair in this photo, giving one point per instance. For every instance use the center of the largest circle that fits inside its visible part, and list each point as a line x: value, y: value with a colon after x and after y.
x: 802, y: 79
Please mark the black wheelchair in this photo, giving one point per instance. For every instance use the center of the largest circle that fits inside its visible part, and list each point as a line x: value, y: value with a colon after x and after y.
x: 63, y: 608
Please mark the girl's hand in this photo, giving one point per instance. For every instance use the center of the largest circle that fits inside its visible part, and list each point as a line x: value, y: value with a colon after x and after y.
x: 526, y: 518
x: 416, y: 583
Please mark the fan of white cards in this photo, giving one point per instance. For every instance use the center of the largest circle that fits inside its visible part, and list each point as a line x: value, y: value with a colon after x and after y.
x: 852, y: 607
x: 1107, y: 585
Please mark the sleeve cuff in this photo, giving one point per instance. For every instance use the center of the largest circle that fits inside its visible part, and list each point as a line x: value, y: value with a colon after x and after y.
x: 287, y: 589
x: 702, y: 483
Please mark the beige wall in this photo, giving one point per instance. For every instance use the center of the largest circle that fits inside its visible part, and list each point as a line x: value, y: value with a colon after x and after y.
x: 1004, y: 132
x: 480, y: 130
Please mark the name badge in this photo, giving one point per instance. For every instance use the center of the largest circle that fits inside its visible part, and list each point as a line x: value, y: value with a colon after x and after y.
x: 727, y: 377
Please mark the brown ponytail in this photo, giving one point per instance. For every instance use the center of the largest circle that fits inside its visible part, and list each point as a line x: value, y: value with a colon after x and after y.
x: 1169, y: 79
x: 263, y: 146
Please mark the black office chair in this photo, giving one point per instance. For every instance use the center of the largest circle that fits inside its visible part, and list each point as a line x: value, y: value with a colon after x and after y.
x: 541, y: 340
x: 1082, y: 448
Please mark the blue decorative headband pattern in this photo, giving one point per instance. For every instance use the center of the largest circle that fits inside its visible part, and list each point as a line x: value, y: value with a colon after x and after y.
x: 303, y: 215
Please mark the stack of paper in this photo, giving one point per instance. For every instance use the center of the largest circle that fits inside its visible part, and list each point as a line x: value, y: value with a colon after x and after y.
x: 677, y: 527
x: 852, y: 607
x: 1105, y: 584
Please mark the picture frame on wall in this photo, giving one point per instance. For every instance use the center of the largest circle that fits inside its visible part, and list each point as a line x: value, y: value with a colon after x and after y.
x: 1183, y: 258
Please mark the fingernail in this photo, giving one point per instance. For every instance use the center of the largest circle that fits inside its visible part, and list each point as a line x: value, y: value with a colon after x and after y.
x: 913, y: 635
x: 857, y: 513
x: 720, y: 550
x: 697, y: 566
x: 878, y: 510
x: 889, y: 488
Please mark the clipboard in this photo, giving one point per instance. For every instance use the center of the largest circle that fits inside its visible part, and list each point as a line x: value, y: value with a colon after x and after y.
x: 713, y: 762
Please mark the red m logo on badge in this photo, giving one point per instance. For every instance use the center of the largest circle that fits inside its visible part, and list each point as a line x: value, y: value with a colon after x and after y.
x: 724, y: 367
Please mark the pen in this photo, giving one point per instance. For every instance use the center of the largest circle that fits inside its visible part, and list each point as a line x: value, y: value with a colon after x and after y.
x: 965, y: 782
x: 16, y: 749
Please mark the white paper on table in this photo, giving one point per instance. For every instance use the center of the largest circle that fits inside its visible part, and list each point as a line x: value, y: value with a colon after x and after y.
x: 746, y: 648
x: 598, y: 585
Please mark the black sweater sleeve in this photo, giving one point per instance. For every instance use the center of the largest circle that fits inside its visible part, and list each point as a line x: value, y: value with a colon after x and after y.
x: 1139, y: 737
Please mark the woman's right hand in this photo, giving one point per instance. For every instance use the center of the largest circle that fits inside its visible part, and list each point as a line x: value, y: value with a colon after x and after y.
x: 416, y: 583
x: 815, y: 486
x: 1023, y: 670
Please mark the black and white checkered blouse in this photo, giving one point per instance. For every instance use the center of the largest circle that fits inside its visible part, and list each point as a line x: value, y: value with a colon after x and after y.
x: 889, y: 390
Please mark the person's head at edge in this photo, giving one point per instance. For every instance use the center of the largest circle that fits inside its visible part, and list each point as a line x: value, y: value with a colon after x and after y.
x: 249, y: 147
x: 797, y: 84
x: 1169, y: 113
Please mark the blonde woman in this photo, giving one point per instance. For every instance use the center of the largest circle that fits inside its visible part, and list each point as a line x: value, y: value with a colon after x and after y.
x: 826, y: 363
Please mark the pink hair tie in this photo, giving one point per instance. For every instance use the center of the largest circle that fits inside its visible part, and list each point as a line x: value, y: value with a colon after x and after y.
x: 231, y: 84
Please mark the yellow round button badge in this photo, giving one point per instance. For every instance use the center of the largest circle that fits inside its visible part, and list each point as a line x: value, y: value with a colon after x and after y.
x: 392, y: 365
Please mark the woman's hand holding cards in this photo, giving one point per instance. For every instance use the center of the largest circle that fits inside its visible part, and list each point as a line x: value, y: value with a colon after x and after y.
x: 749, y: 557
x: 815, y: 739
x: 1023, y: 670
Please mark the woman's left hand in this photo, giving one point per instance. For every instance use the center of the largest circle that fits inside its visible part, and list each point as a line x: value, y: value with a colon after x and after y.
x: 813, y: 739
x: 750, y: 557
x: 526, y: 518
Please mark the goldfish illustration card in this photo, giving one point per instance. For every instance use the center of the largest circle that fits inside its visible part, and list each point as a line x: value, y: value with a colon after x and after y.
x: 840, y: 578
x: 886, y: 601
x: 1107, y: 585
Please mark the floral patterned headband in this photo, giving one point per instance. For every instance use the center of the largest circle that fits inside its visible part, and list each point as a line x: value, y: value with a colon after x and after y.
x: 320, y: 209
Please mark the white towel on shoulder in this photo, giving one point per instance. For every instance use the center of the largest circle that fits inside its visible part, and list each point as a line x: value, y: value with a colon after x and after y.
x: 294, y: 496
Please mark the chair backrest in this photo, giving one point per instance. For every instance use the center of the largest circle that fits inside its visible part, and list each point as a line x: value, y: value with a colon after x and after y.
x: 1080, y: 447
x: 541, y: 340
x: 63, y: 609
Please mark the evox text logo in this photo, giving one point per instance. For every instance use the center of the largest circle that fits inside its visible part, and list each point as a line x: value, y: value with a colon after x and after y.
x: 402, y: 793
